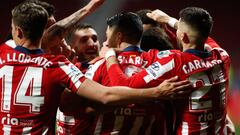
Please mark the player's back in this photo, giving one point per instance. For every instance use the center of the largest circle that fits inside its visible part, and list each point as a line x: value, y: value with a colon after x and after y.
x: 204, y: 112
x: 133, y: 119
x: 29, y: 98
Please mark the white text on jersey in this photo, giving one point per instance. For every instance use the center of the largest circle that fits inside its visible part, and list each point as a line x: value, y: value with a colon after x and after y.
x: 23, y: 58
x: 197, y: 64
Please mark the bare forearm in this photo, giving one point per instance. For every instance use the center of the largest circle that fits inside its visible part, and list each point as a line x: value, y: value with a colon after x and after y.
x: 164, y: 18
x: 62, y: 27
x: 116, y: 95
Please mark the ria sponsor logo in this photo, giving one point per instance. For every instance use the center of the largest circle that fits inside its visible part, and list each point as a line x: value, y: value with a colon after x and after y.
x: 209, y: 116
x: 9, y: 120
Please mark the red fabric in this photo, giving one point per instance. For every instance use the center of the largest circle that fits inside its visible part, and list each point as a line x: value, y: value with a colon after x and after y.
x: 209, y: 75
x: 131, y: 119
x: 31, y: 88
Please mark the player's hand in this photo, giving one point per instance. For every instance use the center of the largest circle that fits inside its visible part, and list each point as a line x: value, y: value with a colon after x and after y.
x: 103, y: 50
x: 159, y: 16
x: 173, y: 88
x: 94, y: 4
x: 65, y: 49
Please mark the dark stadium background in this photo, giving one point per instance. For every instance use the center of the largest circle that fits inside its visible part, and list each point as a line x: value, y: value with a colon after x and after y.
x: 225, y: 31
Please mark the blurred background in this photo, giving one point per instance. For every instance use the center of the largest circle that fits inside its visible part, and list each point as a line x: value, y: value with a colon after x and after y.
x: 226, y: 26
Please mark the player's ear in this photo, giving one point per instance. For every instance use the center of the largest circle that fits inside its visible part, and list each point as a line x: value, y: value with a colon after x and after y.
x: 19, y: 32
x: 119, y: 37
x: 185, y: 38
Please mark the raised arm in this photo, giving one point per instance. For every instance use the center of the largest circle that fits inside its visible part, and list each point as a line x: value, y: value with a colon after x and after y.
x: 59, y: 30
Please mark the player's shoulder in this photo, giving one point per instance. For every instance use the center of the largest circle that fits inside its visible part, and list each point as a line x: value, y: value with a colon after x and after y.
x: 56, y: 60
x: 9, y: 44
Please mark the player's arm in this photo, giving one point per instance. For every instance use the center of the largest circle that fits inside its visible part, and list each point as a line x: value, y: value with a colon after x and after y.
x: 72, y: 78
x: 59, y: 30
x: 161, y: 17
x: 157, y: 72
x: 211, y: 44
x: 164, y: 18
x: 124, y: 95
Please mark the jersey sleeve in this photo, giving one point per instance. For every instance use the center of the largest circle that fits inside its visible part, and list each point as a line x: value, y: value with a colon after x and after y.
x: 151, y: 76
x: 172, y: 37
x: 211, y: 44
x: 70, y: 76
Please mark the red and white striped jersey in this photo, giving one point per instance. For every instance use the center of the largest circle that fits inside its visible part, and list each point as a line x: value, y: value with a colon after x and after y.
x: 31, y: 83
x: 73, y: 120
x: 134, y: 119
x: 204, y: 111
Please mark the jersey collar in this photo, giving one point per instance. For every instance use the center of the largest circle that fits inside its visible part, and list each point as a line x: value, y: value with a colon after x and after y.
x: 201, y: 54
x: 27, y: 51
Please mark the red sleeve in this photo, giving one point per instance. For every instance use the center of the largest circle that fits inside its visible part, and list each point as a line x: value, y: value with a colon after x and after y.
x: 211, y: 43
x: 118, y: 78
x: 151, y: 76
x: 70, y: 76
x: 172, y: 37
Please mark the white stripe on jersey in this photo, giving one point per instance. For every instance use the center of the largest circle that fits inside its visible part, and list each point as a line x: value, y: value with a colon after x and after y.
x: 222, y: 51
x: 98, y: 125
x: 93, y: 68
x: 118, y: 123
x: 156, y: 70
x: 45, y: 130
x: 184, y: 128
x: 27, y: 131
x: 6, y: 129
x: 203, y: 128
x: 73, y: 72
x: 66, y: 119
x: 11, y: 43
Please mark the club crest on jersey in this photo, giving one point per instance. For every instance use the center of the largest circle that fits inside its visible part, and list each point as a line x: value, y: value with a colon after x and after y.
x: 162, y: 54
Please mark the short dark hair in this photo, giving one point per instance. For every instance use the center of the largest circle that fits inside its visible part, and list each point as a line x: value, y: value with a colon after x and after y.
x: 145, y: 19
x: 31, y: 18
x: 83, y: 26
x: 197, y: 18
x: 155, y: 38
x: 80, y: 26
x: 49, y: 7
x: 129, y: 24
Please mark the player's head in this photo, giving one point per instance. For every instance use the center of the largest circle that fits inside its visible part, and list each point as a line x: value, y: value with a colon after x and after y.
x: 124, y: 27
x: 155, y: 38
x: 84, y: 40
x: 147, y: 22
x: 28, y: 22
x: 50, y: 9
x: 194, y: 26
